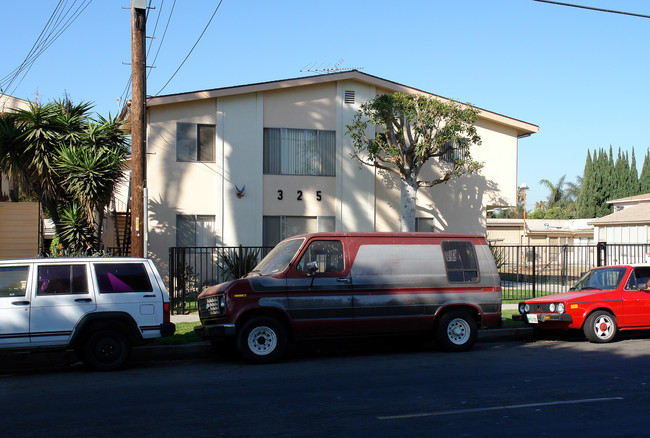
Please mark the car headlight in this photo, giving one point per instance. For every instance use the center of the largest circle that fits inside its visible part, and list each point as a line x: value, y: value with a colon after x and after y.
x: 527, y: 308
x: 522, y: 308
x: 560, y: 308
x: 551, y: 307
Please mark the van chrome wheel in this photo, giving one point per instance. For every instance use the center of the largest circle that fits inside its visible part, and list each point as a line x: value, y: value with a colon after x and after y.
x: 262, y: 339
x: 456, y: 330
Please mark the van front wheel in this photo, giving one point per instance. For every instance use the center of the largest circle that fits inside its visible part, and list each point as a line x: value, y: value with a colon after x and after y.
x: 262, y: 340
x: 456, y: 331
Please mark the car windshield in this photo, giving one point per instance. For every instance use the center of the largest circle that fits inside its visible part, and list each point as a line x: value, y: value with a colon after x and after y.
x: 599, y: 279
x: 278, y: 259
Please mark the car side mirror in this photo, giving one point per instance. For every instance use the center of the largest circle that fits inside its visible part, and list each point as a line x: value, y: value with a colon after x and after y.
x: 312, y: 268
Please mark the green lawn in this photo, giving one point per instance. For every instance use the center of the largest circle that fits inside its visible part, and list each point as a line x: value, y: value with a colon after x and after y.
x: 184, y: 335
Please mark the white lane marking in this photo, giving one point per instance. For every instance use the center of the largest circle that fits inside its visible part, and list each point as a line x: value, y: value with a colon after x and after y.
x: 497, y: 408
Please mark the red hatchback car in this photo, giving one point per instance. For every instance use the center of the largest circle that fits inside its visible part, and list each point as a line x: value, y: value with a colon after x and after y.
x: 603, y: 301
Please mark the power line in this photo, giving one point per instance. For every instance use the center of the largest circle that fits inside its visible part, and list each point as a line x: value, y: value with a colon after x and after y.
x: 611, y: 11
x: 58, y: 23
x: 192, y: 49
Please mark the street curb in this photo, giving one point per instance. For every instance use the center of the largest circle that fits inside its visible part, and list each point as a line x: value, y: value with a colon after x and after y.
x: 204, y: 350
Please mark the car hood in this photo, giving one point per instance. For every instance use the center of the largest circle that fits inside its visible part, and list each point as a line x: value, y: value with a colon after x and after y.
x: 575, y: 296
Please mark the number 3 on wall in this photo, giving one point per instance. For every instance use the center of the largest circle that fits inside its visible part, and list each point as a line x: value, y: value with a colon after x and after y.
x: 280, y: 195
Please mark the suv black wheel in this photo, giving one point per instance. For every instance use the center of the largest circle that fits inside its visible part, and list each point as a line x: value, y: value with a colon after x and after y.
x: 106, y: 350
x: 262, y: 340
x: 456, y: 331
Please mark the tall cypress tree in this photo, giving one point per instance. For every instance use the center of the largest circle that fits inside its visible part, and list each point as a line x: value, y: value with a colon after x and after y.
x: 585, y: 205
x: 644, y: 179
x: 634, y: 177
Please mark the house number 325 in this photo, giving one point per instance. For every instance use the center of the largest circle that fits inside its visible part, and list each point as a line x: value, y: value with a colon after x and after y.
x: 299, y: 195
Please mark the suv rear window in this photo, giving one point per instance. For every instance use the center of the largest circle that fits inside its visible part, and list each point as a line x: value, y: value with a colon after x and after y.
x: 122, y: 277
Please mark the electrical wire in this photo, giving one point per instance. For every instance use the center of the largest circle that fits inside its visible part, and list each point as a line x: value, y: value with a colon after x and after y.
x: 58, y: 23
x: 192, y: 49
x: 611, y: 11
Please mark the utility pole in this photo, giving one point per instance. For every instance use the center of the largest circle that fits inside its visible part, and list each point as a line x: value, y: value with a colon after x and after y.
x: 138, y: 125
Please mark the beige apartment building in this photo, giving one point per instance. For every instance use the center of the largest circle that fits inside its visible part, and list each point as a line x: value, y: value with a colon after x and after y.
x: 252, y: 164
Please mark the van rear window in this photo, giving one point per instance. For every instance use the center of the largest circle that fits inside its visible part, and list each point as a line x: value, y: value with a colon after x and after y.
x: 460, y: 261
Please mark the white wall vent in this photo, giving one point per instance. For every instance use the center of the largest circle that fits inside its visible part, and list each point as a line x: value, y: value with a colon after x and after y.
x: 349, y: 97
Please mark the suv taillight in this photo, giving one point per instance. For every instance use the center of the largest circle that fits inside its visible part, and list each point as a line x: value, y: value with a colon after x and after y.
x: 166, y: 312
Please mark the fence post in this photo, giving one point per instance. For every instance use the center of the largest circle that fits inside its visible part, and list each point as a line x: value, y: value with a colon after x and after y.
x: 534, y: 273
x: 601, y: 254
x: 240, y: 274
x: 172, y: 278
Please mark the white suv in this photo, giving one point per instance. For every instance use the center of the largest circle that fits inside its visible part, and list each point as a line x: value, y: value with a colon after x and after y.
x: 98, y: 306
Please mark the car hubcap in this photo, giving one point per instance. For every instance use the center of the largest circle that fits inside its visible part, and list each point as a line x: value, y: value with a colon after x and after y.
x: 604, y: 327
x: 458, y: 331
x: 262, y: 340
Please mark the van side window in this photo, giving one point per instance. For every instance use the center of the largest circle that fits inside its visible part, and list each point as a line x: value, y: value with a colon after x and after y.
x: 62, y: 280
x: 327, y: 253
x: 13, y: 281
x: 460, y: 261
x: 122, y: 277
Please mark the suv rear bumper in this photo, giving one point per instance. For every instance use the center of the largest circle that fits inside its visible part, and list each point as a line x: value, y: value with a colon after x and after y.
x: 212, y: 331
x: 167, y: 329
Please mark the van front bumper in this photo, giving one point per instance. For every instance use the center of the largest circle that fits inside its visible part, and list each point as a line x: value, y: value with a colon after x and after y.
x: 215, y: 331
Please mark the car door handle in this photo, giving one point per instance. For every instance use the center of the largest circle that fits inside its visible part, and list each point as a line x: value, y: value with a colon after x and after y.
x: 20, y: 303
x: 83, y: 300
x: 150, y: 296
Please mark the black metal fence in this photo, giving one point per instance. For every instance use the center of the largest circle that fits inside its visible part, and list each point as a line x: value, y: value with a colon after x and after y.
x: 526, y: 271
x: 529, y: 271
x: 192, y: 269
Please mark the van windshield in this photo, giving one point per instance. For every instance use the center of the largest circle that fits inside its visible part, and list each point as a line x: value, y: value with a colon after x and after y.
x: 278, y: 259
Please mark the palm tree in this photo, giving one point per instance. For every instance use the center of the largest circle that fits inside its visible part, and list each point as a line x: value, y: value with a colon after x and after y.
x: 557, y: 194
x: 69, y: 160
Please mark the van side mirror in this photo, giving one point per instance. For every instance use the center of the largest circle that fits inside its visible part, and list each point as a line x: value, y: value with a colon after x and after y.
x: 312, y: 268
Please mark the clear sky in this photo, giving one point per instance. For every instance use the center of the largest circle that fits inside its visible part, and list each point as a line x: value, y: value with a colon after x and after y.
x: 580, y: 75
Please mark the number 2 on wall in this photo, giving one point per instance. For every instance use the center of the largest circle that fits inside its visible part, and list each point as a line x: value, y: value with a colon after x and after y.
x: 299, y: 198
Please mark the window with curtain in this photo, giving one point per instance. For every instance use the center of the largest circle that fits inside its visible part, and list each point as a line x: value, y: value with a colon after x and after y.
x: 195, y: 142
x: 195, y: 230
x: 277, y: 228
x: 299, y: 152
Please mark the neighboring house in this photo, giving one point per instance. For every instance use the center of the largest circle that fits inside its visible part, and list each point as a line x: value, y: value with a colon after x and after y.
x: 630, y: 222
x: 252, y: 164
x: 540, y: 232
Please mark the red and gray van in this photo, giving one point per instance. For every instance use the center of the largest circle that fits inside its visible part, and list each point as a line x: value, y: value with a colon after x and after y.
x: 357, y: 284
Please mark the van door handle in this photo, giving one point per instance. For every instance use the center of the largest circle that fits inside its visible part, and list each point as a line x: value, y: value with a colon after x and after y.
x: 344, y: 280
x: 20, y: 303
x: 83, y: 300
x: 150, y: 296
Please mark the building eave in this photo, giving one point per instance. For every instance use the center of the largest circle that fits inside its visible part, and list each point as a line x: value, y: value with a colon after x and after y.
x: 522, y: 128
